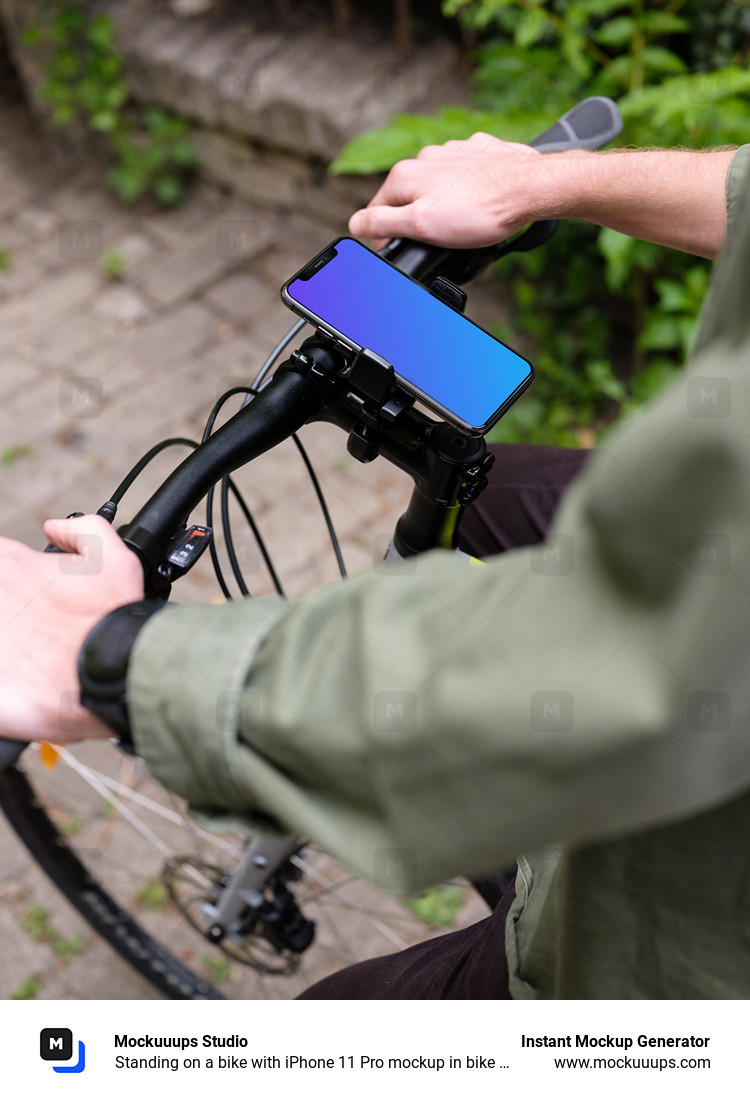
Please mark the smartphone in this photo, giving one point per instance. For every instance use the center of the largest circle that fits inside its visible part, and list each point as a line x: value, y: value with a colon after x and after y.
x: 443, y: 358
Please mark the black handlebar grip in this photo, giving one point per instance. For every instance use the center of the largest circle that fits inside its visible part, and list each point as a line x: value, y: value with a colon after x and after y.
x: 10, y: 751
x: 589, y: 125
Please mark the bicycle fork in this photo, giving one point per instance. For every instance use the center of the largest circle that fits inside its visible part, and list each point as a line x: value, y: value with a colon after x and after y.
x: 244, y: 906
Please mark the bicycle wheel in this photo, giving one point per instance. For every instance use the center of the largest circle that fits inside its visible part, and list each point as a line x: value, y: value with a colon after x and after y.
x: 142, y: 873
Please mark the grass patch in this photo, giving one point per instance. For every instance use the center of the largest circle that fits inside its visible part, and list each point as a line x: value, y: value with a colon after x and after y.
x: 438, y: 906
x: 38, y: 925
x: 27, y: 989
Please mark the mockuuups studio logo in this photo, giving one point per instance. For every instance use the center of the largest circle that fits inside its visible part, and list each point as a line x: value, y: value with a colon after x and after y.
x: 56, y: 1045
x: 81, y: 241
x: 554, y: 556
x: 552, y: 712
x: 395, y: 869
x: 394, y: 712
x: 235, y: 238
x: 81, y: 398
x: 710, y: 554
x: 709, y: 712
x: 709, y: 398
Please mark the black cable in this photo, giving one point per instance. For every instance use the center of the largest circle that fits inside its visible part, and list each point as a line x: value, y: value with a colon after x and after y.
x: 323, y: 506
x: 236, y: 568
x: 140, y: 466
x: 218, y: 570
x: 258, y: 537
x: 212, y: 547
x: 250, y: 390
x: 230, y: 485
x: 228, y: 540
x: 283, y: 342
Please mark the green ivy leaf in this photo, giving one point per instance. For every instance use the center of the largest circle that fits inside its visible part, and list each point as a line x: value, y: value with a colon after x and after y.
x: 660, y: 60
x: 129, y: 185
x: 477, y: 14
x: 619, y: 71
x: 62, y: 114
x: 658, y: 23
x: 653, y: 378
x: 617, y: 250
x: 677, y: 98
x: 110, y: 68
x: 103, y: 121
x: 661, y: 333
x: 599, y: 374
x: 156, y: 120
x: 573, y: 46
x: 32, y: 35
x: 116, y: 95
x: 67, y: 63
x: 530, y: 29
x: 169, y: 189
x: 101, y: 31
x: 696, y: 281
x: 674, y: 297
x: 599, y: 8
x: 646, y: 256
x: 616, y: 32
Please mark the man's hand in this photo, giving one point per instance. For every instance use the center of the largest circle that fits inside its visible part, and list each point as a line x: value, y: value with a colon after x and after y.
x: 463, y: 194
x: 48, y: 604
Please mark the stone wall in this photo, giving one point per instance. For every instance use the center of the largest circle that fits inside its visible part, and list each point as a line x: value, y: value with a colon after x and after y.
x: 271, y: 109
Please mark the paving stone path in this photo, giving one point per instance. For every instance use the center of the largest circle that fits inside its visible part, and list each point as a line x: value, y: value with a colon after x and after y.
x: 94, y: 370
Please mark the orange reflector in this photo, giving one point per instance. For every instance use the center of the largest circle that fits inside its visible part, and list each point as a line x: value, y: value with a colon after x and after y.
x: 48, y: 754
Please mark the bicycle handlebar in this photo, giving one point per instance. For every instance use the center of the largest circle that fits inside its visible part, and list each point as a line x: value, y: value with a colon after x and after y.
x: 292, y: 398
x: 279, y: 409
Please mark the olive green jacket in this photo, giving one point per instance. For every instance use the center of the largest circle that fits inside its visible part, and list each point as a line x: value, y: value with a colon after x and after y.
x: 587, y: 701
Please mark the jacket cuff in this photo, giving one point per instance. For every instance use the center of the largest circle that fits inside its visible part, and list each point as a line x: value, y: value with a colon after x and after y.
x: 736, y: 189
x: 188, y: 671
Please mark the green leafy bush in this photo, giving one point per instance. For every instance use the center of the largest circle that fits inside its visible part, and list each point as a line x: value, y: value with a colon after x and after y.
x: 609, y: 318
x: 153, y: 154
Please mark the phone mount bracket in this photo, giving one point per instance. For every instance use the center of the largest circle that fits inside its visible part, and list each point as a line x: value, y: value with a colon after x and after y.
x: 373, y: 377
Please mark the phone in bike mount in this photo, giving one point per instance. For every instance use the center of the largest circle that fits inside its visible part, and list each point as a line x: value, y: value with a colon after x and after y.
x: 438, y: 356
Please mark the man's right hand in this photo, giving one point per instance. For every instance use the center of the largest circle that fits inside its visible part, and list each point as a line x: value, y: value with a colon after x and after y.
x: 463, y: 194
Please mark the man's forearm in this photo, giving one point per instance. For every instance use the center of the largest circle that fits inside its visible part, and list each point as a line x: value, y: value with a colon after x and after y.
x: 672, y: 197
x: 473, y: 193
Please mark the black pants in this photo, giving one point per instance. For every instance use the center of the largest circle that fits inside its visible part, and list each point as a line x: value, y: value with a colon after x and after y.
x: 516, y: 509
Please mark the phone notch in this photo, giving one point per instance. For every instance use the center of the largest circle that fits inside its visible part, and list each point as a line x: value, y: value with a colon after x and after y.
x: 317, y: 263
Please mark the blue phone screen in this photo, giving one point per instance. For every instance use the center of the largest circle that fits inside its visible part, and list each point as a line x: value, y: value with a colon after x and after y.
x: 446, y: 357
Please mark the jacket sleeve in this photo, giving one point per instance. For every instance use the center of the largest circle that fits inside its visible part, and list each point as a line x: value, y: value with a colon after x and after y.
x: 456, y: 715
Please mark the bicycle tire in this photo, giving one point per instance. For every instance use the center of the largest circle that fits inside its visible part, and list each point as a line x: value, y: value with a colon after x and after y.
x: 60, y: 863
x: 77, y: 840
